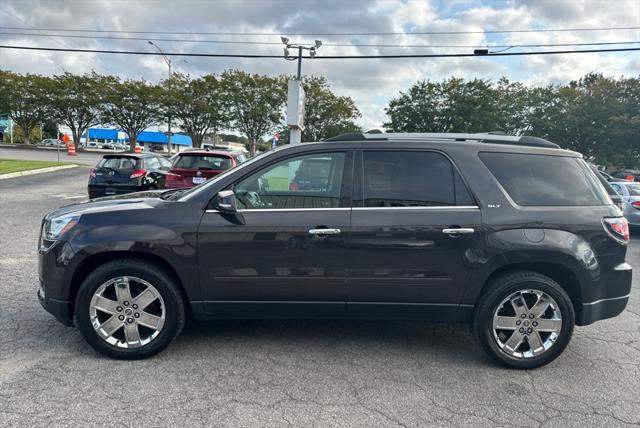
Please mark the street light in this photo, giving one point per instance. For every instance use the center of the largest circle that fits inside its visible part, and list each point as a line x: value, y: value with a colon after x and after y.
x: 168, y: 61
x: 312, y: 52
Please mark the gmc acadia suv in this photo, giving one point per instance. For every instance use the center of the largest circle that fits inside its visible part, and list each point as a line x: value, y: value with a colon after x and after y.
x: 511, y: 234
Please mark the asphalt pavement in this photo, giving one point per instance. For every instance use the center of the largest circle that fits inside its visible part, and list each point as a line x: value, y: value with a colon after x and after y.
x: 293, y: 373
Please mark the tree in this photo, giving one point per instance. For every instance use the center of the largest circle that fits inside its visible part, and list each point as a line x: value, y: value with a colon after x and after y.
x: 326, y: 114
x: 26, y: 99
x: 256, y: 103
x: 132, y: 105
x: 454, y: 105
x: 77, y: 101
x: 199, y: 105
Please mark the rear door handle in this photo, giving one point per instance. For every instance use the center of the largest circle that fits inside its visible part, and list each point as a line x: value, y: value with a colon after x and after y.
x: 324, y: 231
x: 458, y: 231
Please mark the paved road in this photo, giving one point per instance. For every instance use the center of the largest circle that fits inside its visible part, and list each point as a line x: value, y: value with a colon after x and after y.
x: 300, y: 373
x: 83, y: 158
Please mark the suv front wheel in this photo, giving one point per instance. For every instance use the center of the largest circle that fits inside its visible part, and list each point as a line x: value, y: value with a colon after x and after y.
x: 129, y: 309
x: 525, y: 320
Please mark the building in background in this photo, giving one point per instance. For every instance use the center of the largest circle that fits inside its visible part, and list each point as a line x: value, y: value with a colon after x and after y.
x: 4, y: 126
x: 217, y: 143
x: 149, y: 140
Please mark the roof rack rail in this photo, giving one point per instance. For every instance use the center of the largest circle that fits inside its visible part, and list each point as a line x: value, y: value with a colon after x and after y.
x: 489, y: 137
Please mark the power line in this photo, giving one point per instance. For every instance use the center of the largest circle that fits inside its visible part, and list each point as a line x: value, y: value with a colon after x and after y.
x: 295, y: 33
x: 212, y: 55
x: 363, y: 45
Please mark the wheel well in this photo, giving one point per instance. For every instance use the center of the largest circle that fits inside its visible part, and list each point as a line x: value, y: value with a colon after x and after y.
x: 97, y: 260
x: 559, y: 273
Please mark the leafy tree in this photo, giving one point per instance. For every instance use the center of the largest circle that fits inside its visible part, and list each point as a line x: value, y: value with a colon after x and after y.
x: 132, y: 105
x: 77, y: 101
x: 326, y: 114
x: 200, y: 105
x: 26, y: 99
x: 256, y: 103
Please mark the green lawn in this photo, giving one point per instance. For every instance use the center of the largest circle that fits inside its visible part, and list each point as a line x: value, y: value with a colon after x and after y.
x: 10, y: 165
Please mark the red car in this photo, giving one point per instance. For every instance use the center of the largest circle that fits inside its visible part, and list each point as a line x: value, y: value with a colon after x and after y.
x: 197, y: 166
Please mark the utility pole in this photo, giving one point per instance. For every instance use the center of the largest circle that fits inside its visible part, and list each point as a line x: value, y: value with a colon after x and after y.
x: 295, y: 92
x: 168, y: 61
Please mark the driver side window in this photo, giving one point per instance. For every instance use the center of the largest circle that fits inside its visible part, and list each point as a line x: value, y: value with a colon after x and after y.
x: 310, y: 181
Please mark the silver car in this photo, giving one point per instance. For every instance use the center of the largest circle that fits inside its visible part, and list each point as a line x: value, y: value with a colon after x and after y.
x: 630, y: 192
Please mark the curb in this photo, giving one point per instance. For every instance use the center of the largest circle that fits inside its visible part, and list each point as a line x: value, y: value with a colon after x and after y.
x: 36, y: 171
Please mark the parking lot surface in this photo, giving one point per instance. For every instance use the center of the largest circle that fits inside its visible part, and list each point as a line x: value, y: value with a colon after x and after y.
x: 295, y: 373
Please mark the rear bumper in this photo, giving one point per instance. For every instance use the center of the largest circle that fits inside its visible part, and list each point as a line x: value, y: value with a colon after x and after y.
x: 98, y: 191
x: 602, y: 309
x: 617, y: 284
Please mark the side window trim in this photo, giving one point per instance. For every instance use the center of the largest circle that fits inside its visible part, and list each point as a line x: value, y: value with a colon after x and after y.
x: 358, y: 183
x: 344, y: 197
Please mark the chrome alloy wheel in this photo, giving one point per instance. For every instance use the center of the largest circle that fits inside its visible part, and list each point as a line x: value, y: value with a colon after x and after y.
x: 127, y: 312
x: 527, y: 323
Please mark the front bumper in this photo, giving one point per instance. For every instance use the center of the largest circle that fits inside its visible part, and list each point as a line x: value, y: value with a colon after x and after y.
x: 53, y: 271
x: 61, y: 309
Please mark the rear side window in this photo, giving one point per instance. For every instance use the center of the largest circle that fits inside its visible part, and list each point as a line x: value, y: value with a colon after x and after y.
x: 540, y: 180
x: 118, y: 163
x: 411, y: 178
x: 214, y: 162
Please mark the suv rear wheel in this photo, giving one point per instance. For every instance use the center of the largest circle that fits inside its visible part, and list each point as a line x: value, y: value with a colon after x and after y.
x: 129, y: 309
x: 525, y: 320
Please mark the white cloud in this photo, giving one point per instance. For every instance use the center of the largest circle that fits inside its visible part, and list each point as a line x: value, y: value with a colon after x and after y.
x: 370, y: 82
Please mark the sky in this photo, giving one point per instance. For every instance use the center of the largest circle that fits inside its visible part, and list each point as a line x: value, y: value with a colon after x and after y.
x: 370, y: 82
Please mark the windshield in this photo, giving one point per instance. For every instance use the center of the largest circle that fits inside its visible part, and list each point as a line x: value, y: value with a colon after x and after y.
x: 633, y: 188
x: 201, y: 187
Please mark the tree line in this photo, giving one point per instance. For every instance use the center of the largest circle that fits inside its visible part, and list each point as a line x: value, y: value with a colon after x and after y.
x: 597, y: 116
x: 250, y: 104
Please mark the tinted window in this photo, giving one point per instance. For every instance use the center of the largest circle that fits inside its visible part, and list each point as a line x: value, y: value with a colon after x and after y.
x: 214, y: 162
x: 312, y: 181
x: 118, y: 163
x: 539, y: 180
x: 634, y: 189
x: 405, y: 179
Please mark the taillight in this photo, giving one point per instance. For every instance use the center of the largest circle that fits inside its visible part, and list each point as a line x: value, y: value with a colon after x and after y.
x: 636, y: 204
x: 92, y: 173
x: 618, y: 227
x: 138, y: 173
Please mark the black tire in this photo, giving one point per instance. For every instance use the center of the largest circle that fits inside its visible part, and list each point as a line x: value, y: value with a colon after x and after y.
x: 163, y: 283
x: 498, y: 290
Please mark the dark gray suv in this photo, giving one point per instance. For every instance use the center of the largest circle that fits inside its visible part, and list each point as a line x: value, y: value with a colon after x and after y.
x: 511, y: 234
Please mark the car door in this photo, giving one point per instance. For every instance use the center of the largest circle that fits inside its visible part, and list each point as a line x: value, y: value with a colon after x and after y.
x: 414, y: 230
x: 284, y: 252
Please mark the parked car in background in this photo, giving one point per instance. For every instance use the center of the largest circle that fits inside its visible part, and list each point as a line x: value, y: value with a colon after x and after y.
x: 602, y: 177
x: 627, y: 174
x: 92, y: 145
x: 197, y: 166
x: 52, y: 142
x: 126, y: 173
x: 511, y: 234
x: 630, y: 193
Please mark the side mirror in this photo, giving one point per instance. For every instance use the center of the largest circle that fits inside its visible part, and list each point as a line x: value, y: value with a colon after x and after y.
x: 226, y: 201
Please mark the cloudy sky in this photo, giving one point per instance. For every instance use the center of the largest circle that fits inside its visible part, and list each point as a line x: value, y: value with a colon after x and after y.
x: 371, y: 82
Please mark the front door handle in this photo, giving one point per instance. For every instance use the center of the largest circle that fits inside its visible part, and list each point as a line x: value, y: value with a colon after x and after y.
x: 458, y: 231
x: 324, y: 231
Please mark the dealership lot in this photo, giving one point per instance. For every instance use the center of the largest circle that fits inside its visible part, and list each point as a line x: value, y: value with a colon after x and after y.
x: 274, y: 373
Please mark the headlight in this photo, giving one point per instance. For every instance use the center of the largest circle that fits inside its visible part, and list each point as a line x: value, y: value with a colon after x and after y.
x: 56, y: 227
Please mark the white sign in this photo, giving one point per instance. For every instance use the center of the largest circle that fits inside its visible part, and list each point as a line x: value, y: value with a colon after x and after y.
x: 295, y: 105
x: 121, y: 135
